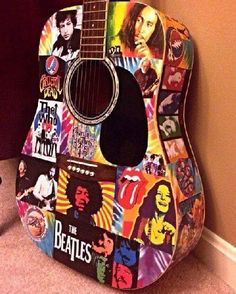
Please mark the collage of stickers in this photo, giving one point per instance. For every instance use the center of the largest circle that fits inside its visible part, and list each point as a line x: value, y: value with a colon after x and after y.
x: 122, y: 225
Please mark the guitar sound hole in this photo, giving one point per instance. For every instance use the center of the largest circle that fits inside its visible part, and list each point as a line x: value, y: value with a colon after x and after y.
x: 91, y: 90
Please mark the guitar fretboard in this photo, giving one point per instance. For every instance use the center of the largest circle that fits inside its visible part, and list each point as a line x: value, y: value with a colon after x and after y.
x: 93, y: 36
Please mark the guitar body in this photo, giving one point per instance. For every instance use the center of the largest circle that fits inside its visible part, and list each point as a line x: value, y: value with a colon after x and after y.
x: 107, y: 182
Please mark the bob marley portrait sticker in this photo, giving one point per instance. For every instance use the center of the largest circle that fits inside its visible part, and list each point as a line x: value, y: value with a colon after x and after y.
x: 129, y: 36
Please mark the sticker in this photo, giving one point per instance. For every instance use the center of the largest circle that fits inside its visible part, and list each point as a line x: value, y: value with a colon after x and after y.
x: 191, y: 225
x: 175, y: 149
x: 51, y: 78
x: 154, y: 164
x: 36, y: 182
x: 82, y: 141
x: 39, y: 224
x: 95, y: 252
x: 152, y: 264
x: 130, y: 191
x: 175, y: 47
x: 123, y: 277
x: 179, y: 47
x: 155, y: 223
x: 35, y: 223
x: 61, y: 35
x: 44, y: 136
x: 173, y: 78
x: 73, y: 244
x: 147, y: 78
x: 138, y: 30
x: 185, y: 176
x: 169, y: 127
x: 169, y: 102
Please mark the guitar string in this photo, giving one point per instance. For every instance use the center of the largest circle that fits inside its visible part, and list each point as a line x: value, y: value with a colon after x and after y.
x: 79, y: 75
x: 93, y: 99
x: 100, y: 63
x: 84, y: 72
x: 82, y: 101
x: 98, y: 46
x: 97, y: 63
x: 94, y: 48
x: 84, y: 61
x: 74, y: 103
x: 90, y: 22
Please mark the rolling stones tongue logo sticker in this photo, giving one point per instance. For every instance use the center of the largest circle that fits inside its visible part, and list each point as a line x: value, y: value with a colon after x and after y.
x: 132, y: 186
x: 175, y: 46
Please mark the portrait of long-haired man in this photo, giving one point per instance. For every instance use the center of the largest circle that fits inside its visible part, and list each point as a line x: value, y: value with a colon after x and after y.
x: 141, y: 32
x: 85, y: 198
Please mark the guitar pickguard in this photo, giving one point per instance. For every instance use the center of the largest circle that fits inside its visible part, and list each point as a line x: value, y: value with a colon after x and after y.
x: 119, y: 199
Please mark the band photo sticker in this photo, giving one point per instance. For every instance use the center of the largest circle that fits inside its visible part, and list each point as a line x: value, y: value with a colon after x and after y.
x: 146, y: 70
x: 169, y: 102
x: 187, y: 176
x: 46, y: 130
x: 82, y: 140
x: 125, y: 265
x: 175, y: 149
x: 103, y: 246
x: 129, y: 34
x: 147, y: 77
x: 36, y: 182
x: 169, y: 127
x: 192, y: 210
x: 154, y: 164
x: 173, y: 78
x: 61, y: 34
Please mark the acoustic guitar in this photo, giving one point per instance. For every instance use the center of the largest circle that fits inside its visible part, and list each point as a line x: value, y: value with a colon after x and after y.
x: 115, y: 189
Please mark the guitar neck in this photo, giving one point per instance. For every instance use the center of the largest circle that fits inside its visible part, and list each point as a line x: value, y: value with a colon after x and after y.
x: 93, y: 37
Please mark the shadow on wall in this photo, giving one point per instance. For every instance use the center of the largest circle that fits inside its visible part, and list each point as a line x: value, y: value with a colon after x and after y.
x: 20, y: 32
x: 194, y: 100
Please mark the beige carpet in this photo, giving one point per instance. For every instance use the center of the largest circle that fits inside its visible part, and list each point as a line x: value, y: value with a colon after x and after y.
x: 25, y: 269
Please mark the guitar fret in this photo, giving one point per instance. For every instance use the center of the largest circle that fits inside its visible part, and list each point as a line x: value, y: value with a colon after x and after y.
x: 94, y: 6
x: 86, y: 45
x: 95, y: 1
x: 95, y: 15
x: 91, y: 25
x: 92, y: 49
x: 93, y: 29
x: 93, y: 42
x: 92, y: 52
x: 86, y: 12
x: 93, y: 37
x: 92, y: 55
x: 93, y: 20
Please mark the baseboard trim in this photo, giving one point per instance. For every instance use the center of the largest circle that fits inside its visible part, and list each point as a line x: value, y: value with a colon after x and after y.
x: 218, y: 255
